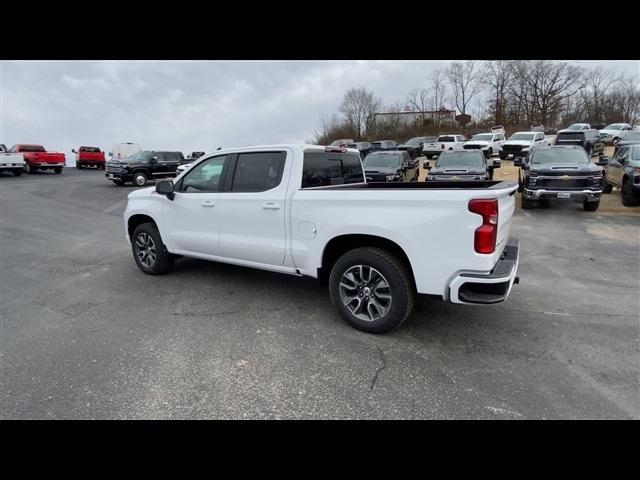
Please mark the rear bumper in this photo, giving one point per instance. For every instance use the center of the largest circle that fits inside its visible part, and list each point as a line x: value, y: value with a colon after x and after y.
x: 46, y: 165
x: 574, y: 195
x: 494, y: 287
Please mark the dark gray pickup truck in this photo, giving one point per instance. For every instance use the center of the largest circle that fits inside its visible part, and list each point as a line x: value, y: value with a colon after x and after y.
x: 462, y: 165
x: 561, y: 173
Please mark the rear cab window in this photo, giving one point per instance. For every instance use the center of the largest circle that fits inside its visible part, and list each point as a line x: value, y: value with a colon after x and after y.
x: 321, y: 169
x: 446, y: 138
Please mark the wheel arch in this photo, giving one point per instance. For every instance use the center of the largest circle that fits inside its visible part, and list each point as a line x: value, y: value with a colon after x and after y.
x: 341, y: 244
x: 135, y: 220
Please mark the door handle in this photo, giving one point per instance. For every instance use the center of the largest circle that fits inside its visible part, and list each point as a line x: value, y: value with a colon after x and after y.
x: 271, y: 206
x: 208, y: 203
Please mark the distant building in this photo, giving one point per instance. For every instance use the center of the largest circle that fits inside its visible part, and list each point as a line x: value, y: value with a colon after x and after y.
x: 409, y: 117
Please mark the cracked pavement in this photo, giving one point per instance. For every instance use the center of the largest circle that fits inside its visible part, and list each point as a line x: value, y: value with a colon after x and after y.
x: 84, y: 334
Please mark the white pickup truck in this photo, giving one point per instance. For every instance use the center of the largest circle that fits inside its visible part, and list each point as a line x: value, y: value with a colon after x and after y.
x: 520, y: 144
x: 307, y: 210
x: 11, y: 162
x: 443, y: 142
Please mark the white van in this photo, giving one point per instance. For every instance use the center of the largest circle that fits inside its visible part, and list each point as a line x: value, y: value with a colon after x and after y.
x: 120, y: 151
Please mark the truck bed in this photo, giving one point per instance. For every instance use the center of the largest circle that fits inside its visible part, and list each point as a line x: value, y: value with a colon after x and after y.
x: 436, y: 185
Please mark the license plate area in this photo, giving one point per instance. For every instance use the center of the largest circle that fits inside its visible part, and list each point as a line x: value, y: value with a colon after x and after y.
x: 564, y: 195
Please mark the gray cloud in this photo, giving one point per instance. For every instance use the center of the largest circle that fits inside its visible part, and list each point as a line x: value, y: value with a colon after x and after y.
x: 191, y: 105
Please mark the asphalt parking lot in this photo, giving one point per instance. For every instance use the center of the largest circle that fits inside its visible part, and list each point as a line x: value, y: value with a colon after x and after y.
x: 85, y: 334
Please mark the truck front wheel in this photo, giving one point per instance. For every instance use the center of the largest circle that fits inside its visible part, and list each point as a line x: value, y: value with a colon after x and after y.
x: 372, y: 289
x: 17, y: 172
x: 150, y: 254
x: 139, y: 179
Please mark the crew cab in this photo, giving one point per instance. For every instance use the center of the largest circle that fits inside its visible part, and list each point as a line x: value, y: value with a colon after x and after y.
x: 519, y: 144
x: 11, y: 162
x: 623, y: 171
x: 37, y: 158
x: 414, y: 145
x: 462, y: 166
x: 489, y: 143
x: 89, y: 156
x: 561, y: 173
x: 590, y: 140
x: 390, y: 166
x: 143, y: 166
x: 306, y: 210
x: 443, y: 142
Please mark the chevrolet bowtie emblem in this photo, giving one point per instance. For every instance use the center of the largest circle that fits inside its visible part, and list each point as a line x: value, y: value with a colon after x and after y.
x: 565, y: 177
x: 455, y: 178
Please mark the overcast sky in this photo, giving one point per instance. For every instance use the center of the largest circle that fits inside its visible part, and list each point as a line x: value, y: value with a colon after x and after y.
x: 192, y: 105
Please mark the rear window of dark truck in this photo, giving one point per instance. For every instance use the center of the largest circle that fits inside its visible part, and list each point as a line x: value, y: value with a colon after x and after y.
x: 571, y: 136
x: 90, y: 149
x: 322, y: 169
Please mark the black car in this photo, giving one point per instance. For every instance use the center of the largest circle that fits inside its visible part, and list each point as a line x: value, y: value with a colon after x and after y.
x: 390, y: 166
x: 462, y: 165
x: 414, y: 145
x: 363, y: 147
x: 561, y: 172
x: 383, y: 145
x: 143, y: 166
x: 590, y: 140
x: 628, y: 137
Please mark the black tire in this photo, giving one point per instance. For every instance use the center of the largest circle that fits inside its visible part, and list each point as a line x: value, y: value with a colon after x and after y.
x: 57, y: 170
x: 526, y: 203
x: 591, y: 206
x: 149, y: 252
x: 139, y: 179
x: 17, y: 172
x: 389, y: 270
x: 79, y: 166
x: 630, y: 196
x: 606, y: 187
x: 118, y: 182
x: 31, y: 170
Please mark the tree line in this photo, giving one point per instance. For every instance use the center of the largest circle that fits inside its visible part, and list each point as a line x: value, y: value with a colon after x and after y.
x: 515, y: 93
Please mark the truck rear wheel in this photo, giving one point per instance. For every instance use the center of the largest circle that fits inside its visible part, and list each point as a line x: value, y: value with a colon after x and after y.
x: 372, y: 289
x: 591, y: 206
x: 79, y: 166
x: 58, y: 170
x: 17, y: 172
x: 150, y: 254
x: 630, y: 196
x: 31, y: 169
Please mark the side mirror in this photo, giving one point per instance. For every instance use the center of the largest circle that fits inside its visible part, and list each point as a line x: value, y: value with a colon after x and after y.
x: 603, y: 161
x: 426, y: 164
x: 165, y: 187
x: 73, y: 150
x: 429, y: 167
x: 153, y: 160
x: 518, y: 162
x: 110, y: 154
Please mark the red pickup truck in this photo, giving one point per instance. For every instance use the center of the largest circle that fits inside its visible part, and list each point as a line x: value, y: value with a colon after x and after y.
x: 37, y: 158
x: 89, y: 156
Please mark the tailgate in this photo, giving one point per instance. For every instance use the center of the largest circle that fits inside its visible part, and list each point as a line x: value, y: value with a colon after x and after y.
x: 506, y: 208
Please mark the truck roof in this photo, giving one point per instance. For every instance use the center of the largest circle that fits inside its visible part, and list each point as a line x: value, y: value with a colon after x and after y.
x: 295, y: 146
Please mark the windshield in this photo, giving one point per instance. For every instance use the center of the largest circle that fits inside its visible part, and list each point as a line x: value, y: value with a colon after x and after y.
x: 142, y: 156
x: 614, y: 126
x: 483, y: 137
x: 415, y: 141
x: 576, y: 126
x: 522, y: 136
x: 90, y: 149
x: 560, y: 156
x: 384, y: 160
x: 460, y: 160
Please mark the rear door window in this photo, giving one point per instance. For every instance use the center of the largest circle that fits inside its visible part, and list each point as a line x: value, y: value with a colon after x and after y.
x: 258, y: 172
x: 323, y: 169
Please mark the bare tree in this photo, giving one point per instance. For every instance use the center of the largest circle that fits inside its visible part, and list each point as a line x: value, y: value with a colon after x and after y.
x: 359, y: 106
x: 595, y: 84
x: 419, y: 99
x: 465, y: 81
x: 496, y: 78
x: 438, y: 90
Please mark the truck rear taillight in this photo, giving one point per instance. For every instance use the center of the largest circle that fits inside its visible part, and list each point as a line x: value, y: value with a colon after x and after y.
x: 487, y: 233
